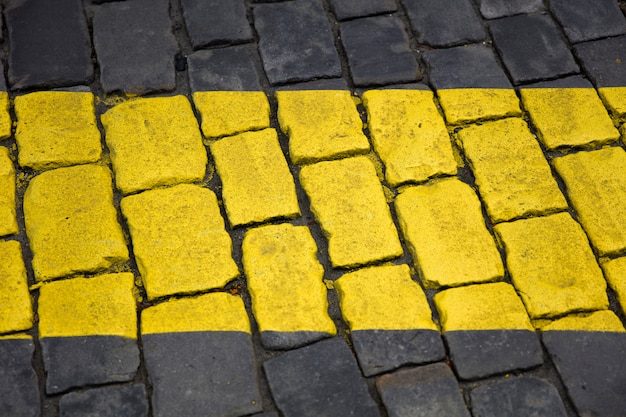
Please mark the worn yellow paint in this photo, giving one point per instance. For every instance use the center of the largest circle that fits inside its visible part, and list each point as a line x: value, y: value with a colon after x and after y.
x: 512, y: 175
x: 226, y: 113
x: 71, y: 222
x: 596, y: 186
x: 16, y: 311
x: 179, y: 240
x: 348, y: 201
x: 615, y: 99
x: 256, y: 182
x: 321, y: 125
x: 56, y: 129
x: 383, y: 298
x: 493, y: 306
x: 552, y: 266
x: 463, y: 105
x: 615, y: 273
x: 99, y: 306
x: 569, y: 117
x: 5, y: 117
x: 154, y: 141
x: 598, y: 321
x: 409, y: 135
x: 443, y: 225
x: 209, y: 312
x: 285, y: 280
x: 8, y: 220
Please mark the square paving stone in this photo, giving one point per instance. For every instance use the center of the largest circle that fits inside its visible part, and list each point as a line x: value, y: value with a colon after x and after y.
x: 8, y: 219
x: 427, y: 391
x: 226, y: 113
x: 127, y: 401
x: 19, y: 390
x: 492, y: 9
x: 88, y: 331
x: 346, y: 9
x: 135, y: 46
x: 16, y: 310
x: 302, y: 388
x: 524, y: 396
x: 296, y: 41
x: 230, y: 69
x: 199, y: 357
x: 584, y: 20
x: 444, y: 22
x: 378, y: 51
x: 49, y: 44
x: 531, y: 47
x: 216, y: 21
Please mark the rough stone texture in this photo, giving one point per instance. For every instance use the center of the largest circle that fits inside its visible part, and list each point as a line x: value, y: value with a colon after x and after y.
x: 525, y: 396
x: 5, y: 117
x: 154, y: 141
x: 216, y: 22
x: 19, y: 391
x: 427, y: 391
x: 57, y: 53
x: 230, y: 69
x: 16, y: 311
x: 347, y: 9
x: 443, y: 226
x: 531, y: 47
x: 257, y: 185
x: 552, y: 265
x: 597, y: 321
x: 142, y: 30
x: 302, y: 388
x: 444, y: 22
x: 511, y: 172
x: 296, y: 41
x: 615, y: 274
x: 127, y: 401
x: 56, y: 129
x: 584, y: 20
x: 492, y: 9
x: 596, y: 188
x: 348, y: 201
x: 284, y: 278
x: 8, y: 219
x: 320, y: 125
x: 71, y: 222
x: 409, y: 135
x: 378, y: 51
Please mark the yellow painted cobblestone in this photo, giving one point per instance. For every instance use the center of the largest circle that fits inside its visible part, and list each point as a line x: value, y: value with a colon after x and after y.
x: 443, y: 225
x: 285, y: 280
x: 463, y: 105
x: 598, y: 321
x: 8, y: 221
x: 615, y: 273
x: 349, y: 203
x: 383, y: 298
x: 615, y: 98
x: 5, y: 116
x: 16, y: 311
x: 569, y: 117
x: 552, y: 266
x: 154, y: 141
x: 409, y: 135
x: 179, y: 240
x: 71, y: 222
x: 256, y: 182
x: 56, y: 129
x: 321, y: 125
x: 226, y: 113
x: 596, y: 186
x: 512, y: 175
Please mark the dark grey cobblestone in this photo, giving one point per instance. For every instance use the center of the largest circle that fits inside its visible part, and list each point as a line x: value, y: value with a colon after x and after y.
x: 347, y: 9
x: 604, y: 61
x: 492, y: 9
x: 216, y: 22
x: 19, y: 391
x: 126, y: 401
x: 585, y: 20
x: 231, y: 69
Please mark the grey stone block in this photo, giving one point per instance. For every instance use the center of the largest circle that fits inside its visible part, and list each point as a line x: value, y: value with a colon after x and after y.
x: 492, y: 9
x: 19, y: 391
x: 604, y: 61
x: 126, y: 401
x: 584, y: 20
x: 324, y: 84
x: 211, y: 22
x: 230, y: 69
x: 348, y: 9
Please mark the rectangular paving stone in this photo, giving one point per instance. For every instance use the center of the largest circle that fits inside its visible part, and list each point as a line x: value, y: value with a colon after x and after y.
x: 596, y: 187
x: 512, y: 174
x: 552, y: 265
x: 409, y: 135
x: 71, y: 222
x: 487, y: 330
x: 8, y: 219
x: 615, y: 274
x: 321, y: 125
x: 492, y: 9
x: 389, y: 317
x: 215, y: 21
x: 56, y: 129
x: 346, y: 9
x: 226, y: 113
x: 49, y: 44
x: 257, y: 185
x: 179, y: 240
x: 443, y: 226
x: 568, y: 113
x: 126, y: 400
x: 153, y: 142
x: 347, y: 200
x: 230, y: 69
x: 16, y: 311
x: 584, y: 20
x: 19, y: 390
x: 285, y: 281
x: 88, y: 331
x: 295, y: 41
x: 199, y: 357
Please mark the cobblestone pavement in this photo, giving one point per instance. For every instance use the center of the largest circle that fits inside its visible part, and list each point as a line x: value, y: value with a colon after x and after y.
x: 313, y: 208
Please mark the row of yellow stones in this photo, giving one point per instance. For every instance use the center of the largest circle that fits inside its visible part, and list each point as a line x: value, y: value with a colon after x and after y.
x: 178, y: 233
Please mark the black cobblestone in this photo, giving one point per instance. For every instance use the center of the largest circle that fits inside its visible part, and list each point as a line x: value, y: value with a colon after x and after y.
x: 584, y: 20
x: 231, y: 69
x: 492, y: 9
x: 347, y: 9
x: 604, y: 61
x: 211, y: 22
x: 19, y: 392
x: 124, y: 401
